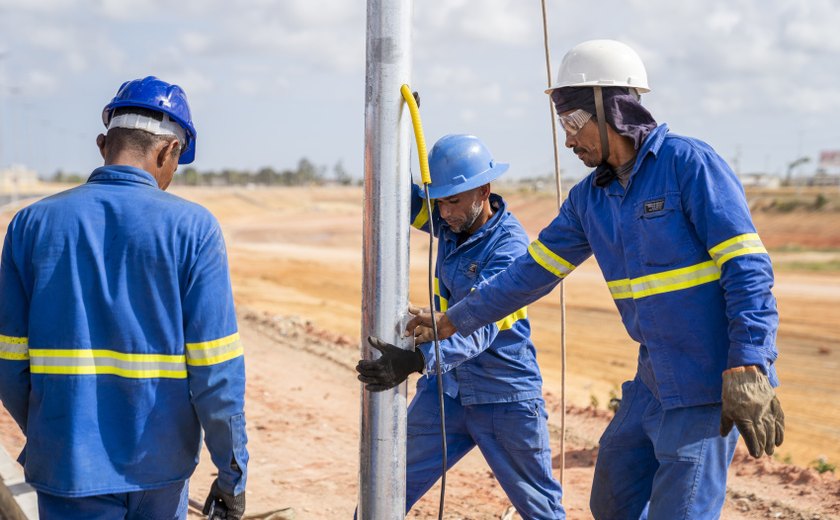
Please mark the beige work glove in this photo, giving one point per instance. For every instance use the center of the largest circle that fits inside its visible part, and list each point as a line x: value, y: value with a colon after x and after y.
x: 750, y: 403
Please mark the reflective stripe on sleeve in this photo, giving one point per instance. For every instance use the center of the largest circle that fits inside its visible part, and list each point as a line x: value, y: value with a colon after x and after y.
x: 668, y: 281
x: 422, y: 217
x: 443, y: 302
x: 14, y: 348
x: 214, y: 352
x: 551, y: 262
x: 746, y: 244
x: 510, y: 320
x: 97, y: 361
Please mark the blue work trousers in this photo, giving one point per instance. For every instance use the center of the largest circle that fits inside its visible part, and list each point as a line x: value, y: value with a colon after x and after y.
x: 167, y: 503
x: 513, y: 437
x: 661, y: 464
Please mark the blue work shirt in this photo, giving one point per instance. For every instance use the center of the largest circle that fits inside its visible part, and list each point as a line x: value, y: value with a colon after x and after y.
x: 495, y: 363
x: 118, y: 339
x: 688, y: 273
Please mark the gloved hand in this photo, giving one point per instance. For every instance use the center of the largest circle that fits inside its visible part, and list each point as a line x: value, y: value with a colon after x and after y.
x: 223, y: 506
x: 750, y: 403
x: 391, y: 369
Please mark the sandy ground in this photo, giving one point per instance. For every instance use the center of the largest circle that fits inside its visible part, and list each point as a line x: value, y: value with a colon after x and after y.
x: 295, y: 262
x: 298, y: 252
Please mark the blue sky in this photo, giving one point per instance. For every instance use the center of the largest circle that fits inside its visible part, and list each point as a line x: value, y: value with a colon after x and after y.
x: 273, y: 81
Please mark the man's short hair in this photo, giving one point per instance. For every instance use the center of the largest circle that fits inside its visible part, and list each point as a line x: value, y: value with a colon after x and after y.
x: 138, y: 140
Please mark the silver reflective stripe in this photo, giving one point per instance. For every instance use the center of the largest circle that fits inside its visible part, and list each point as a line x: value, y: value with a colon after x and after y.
x: 550, y: 261
x: 213, y: 352
x: 668, y: 281
x: 745, y: 244
x: 81, y: 361
x: 14, y: 348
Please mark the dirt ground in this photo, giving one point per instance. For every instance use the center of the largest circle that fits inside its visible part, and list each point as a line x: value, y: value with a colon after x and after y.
x: 298, y: 252
x: 296, y: 267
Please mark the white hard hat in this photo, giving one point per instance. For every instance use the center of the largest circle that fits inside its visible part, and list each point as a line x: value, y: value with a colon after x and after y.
x: 602, y: 63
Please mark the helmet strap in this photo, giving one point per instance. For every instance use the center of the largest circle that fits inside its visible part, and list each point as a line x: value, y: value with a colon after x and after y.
x: 602, y: 124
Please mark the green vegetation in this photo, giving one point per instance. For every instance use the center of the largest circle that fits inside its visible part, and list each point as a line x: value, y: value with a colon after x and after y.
x: 822, y: 465
x: 305, y: 174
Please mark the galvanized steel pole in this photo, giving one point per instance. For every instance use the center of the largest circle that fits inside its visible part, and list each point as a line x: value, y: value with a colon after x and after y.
x: 385, y: 256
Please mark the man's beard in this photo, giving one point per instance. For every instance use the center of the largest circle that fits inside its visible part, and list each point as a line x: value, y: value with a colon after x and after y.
x: 470, y: 218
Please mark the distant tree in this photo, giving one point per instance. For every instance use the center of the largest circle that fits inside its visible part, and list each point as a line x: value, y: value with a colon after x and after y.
x: 341, y: 175
x: 266, y: 176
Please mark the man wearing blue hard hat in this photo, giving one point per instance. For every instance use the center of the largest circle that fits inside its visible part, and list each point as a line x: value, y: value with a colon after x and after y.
x: 118, y: 335
x: 668, y: 222
x: 492, y: 384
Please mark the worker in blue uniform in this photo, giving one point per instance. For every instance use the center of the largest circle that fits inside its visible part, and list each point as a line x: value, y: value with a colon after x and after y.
x: 118, y: 335
x: 668, y: 223
x: 492, y: 384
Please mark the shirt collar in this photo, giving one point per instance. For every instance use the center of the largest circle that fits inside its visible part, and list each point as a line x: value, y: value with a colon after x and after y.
x: 651, y: 145
x: 121, y: 172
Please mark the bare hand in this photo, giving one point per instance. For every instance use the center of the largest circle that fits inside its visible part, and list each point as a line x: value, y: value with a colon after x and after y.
x: 424, y: 317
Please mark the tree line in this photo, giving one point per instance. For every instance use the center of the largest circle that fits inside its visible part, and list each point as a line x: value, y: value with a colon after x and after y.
x: 305, y: 174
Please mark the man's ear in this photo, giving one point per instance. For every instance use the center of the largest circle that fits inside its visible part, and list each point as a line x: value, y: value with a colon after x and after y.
x: 100, y: 143
x: 165, y: 151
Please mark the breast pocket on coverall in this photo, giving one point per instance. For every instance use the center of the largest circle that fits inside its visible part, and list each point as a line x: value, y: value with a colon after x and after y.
x: 663, y: 233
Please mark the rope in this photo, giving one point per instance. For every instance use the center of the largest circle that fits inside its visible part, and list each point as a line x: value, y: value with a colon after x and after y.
x: 559, y: 187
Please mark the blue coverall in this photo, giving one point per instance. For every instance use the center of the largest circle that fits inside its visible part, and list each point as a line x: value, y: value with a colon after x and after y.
x: 491, y: 379
x: 692, y: 282
x: 118, y: 344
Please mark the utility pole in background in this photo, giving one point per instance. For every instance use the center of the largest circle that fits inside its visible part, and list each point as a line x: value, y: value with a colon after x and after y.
x: 385, y: 253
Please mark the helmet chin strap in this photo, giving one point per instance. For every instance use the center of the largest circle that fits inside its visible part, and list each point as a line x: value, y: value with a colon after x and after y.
x: 602, y: 124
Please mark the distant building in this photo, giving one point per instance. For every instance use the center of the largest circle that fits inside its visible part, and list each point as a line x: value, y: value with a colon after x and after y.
x: 760, y: 180
x: 17, y: 177
x: 822, y: 178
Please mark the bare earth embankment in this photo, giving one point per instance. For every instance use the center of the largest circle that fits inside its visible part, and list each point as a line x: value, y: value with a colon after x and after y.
x: 295, y: 260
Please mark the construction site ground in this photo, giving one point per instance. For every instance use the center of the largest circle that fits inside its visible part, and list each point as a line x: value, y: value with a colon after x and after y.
x: 296, y: 264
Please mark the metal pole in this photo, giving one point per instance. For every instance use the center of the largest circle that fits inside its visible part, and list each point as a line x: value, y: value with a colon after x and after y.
x: 385, y: 256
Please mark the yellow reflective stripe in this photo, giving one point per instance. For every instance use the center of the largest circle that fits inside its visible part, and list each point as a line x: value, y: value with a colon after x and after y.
x: 444, y: 303
x: 746, y: 244
x: 550, y: 261
x: 668, y: 281
x: 234, y: 351
x: 106, y: 362
x: 423, y: 217
x: 13, y: 348
x: 509, y: 320
x: 213, y: 352
x: 205, y: 345
x: 108, y: 370
x: 103, y: 354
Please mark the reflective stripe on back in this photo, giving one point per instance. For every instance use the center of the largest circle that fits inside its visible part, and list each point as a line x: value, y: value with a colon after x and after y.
x: 97, y: 361
x: 550, y: 261
x: 14, y: 348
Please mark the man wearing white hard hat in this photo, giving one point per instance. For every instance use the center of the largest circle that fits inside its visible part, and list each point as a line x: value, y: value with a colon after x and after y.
x: 668, y: 222
x: 491, y: 380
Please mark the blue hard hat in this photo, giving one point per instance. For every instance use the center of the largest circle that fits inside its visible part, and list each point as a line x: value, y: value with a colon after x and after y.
x: 459, y: 163
x: 158, y: 95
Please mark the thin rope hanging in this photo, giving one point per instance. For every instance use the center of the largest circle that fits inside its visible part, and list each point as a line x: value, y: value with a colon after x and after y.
x: 559, y: 187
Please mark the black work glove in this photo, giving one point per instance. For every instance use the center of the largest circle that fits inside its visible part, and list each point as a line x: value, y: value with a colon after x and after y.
x: 223, y: 506
x: 750, y: 403
x: 391, y: 369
